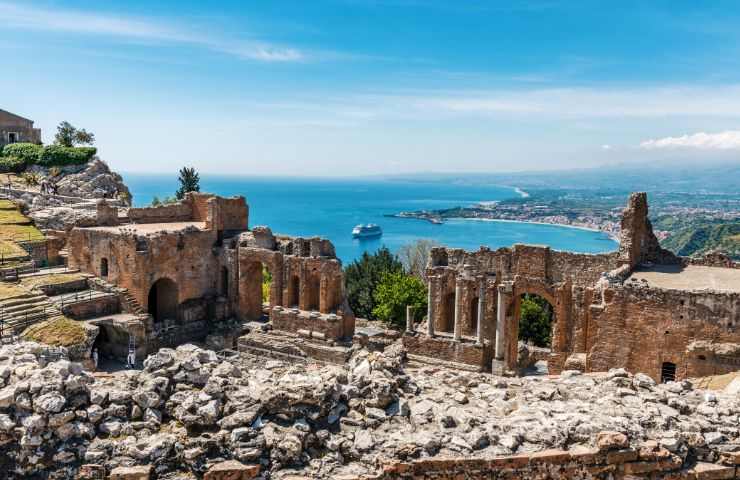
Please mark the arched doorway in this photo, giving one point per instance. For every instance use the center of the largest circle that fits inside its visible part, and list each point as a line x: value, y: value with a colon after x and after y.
x: 535, y: 326
x: 448, y: 313
x: 163, y: 300
x: 103, y: 267
x: 473, y: 313
x: 314, y: 292
x: 294, y: 291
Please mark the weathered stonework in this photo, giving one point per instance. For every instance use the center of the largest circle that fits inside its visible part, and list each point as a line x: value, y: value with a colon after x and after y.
x: 604, y: 317
x: 16, y: 129
x: 194, y: 263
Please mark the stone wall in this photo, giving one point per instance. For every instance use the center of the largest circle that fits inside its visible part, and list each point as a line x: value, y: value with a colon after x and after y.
x: 640, y: 328
x: 448, y: 351
x: 92, y: 307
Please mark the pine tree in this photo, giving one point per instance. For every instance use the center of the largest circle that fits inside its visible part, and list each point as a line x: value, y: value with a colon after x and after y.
x: 189, y: 182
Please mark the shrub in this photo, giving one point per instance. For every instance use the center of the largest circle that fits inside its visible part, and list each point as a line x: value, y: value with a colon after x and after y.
x: 394, y: 293
x: 363, y: 276
x: 58, y: 156
x: 30, y: 179
x: 12, y: 164
x: 28, y: 152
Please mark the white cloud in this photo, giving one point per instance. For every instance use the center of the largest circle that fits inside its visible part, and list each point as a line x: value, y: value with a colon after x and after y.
x: 728, y: 140
x: 72, y: 21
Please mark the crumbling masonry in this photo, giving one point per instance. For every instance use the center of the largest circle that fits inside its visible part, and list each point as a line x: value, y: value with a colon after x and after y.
x: 641, y: 308
x: 195, y: 263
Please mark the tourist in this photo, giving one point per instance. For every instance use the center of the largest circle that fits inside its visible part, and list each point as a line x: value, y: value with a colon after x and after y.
x: 131, y: 359
x: 95, y: 357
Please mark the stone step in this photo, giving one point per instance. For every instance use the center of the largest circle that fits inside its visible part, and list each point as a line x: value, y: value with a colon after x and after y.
x: 23, y: 304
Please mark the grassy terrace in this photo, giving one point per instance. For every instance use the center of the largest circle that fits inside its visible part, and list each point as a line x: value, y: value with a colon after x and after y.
x: 60, y: 331
x: 14, y: 227
x: 50, y: 279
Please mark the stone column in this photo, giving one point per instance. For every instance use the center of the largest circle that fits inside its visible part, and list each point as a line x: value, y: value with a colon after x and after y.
x: 504, y: 291
x: 458, y: 314
x: 430, y: 306
x: 481, y: 309
x: 409, y: 318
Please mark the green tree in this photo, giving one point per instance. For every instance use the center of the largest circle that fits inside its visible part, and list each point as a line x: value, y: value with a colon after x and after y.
x: 363, y: 276
x: 266, y: 283
x: 395, y: 291
x: 70, y: 136
x: 535, y: 321
x: 189, y: 182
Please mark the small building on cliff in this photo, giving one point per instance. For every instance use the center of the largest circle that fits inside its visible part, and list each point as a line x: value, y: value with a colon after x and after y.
x: 16, y: 129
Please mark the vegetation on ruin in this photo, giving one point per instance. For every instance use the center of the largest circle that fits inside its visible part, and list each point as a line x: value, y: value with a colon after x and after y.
x: 266, y: 282
x: 189, y: 182
x: 58, y: 332
x: 9, y: 216
x: 156, y: 201
x: 10, y: 250
x: 394, y: 292
x: 535, y: 322
x: 364, y: 275
x: 18, y: 233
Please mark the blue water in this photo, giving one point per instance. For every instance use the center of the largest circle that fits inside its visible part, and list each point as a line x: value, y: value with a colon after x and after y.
x: 330, y: 208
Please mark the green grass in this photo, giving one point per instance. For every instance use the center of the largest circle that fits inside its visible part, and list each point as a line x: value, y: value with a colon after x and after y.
x: 7, y: 205
x: 57, y: 332
x: 8, y: 216
x: 50, y: 279
x: 19, y: 233
x: 9, y: 290
x: 10, y: 250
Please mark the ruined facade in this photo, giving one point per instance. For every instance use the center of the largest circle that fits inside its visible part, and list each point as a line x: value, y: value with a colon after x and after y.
x: 194, y: 263
x: 16, y: 129
x: 641, y: 308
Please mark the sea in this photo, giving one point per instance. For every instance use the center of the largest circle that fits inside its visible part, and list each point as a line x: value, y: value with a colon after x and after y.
x: 330, y: 208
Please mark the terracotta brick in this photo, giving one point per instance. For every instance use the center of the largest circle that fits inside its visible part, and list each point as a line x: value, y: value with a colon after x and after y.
x: 550, y: 456
x: 231, y: 470
x: 514, y: 461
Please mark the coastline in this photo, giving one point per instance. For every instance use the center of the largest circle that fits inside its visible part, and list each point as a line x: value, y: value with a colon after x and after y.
x: 521, y: 192
x: 564, y: 225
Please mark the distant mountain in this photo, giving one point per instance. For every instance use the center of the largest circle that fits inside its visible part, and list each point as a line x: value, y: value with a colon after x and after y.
x: 700, y: 239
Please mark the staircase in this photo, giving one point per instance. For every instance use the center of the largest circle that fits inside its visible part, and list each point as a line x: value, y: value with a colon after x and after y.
x: 129, y: 304
x: 18, y: 312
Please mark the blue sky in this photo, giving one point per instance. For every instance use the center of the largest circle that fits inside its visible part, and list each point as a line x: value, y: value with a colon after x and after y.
x: 355, y: 87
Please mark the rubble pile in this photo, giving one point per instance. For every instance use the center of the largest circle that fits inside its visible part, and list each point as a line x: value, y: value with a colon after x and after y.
x: 190, y: 409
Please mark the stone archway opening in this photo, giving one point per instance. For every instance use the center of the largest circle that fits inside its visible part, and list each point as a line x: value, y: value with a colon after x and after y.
x: 103, y: 267
x: 266, y: 283
x: 448, y: 313
x: 294, y: 292
x: 314, y: 292
x: 163, y: 300
x: 536, y: 320
x: 472, y: 324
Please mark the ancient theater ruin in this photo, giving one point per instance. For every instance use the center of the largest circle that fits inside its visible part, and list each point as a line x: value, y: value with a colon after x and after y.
x: 184, y: 270
x: 641, y: 308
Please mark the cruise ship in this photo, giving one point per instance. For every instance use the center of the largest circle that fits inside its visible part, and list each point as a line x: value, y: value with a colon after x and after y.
x: 367, y: 231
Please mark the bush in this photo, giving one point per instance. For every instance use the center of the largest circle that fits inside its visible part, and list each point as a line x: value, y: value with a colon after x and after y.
x: 12, y: 164
x: 363, y: 276
x: 58, y: 156
x: 394, y: 293
x: 535, y: 323
x: 27, y: 152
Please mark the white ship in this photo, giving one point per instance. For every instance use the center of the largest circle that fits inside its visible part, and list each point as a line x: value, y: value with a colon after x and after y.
x: 367, y: 231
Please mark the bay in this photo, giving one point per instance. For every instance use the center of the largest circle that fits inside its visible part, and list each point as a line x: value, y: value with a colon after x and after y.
x: 331, y: 207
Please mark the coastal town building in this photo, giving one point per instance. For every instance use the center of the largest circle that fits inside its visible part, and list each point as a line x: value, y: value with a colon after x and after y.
x: 641, y: 307
x: 16, y: 129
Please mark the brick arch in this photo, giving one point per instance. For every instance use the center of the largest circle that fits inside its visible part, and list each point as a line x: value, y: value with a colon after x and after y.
x: 163, y: 299
x: 533, y: 287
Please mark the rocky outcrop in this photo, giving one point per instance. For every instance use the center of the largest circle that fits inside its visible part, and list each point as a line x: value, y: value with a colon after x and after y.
x: 95, y: 181
x: 189, y: 409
